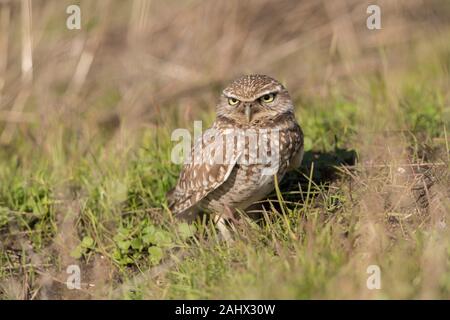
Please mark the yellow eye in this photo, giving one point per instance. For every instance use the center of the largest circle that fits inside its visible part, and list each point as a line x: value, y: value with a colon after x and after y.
x: 267, y: 98
x: 233, y: 101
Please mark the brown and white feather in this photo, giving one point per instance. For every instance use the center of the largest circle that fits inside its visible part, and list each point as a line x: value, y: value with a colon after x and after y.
x: 211, y: 186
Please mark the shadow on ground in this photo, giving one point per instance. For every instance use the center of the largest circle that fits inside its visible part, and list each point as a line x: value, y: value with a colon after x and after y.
x: 324, y: 166
x: 324, y: 171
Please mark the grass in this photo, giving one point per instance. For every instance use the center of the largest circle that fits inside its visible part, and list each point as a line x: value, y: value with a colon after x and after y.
x: 88, y: 188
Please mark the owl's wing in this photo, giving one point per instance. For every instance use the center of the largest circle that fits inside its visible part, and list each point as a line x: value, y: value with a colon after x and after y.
x: 197, y: 180
x: 296, y: 142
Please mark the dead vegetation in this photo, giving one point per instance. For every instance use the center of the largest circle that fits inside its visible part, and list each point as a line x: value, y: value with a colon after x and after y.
x: 85, y: 122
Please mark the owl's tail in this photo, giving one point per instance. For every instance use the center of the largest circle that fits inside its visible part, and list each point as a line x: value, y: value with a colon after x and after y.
x: 180, y: 210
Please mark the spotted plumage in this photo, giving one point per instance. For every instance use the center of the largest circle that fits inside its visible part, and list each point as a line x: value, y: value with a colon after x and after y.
x: 255, y: 137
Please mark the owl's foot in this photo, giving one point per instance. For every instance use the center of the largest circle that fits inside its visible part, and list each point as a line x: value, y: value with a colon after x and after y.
x: 224, y: 222
x: 223, y: 229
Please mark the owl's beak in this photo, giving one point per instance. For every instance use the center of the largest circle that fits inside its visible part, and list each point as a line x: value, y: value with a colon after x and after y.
x: 248, y: 112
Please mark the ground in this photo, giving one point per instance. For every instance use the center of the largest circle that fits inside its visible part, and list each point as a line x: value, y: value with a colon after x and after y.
x: 84, y: 183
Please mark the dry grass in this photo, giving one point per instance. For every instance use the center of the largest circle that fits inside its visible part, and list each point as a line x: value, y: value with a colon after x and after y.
x: 85, y: 122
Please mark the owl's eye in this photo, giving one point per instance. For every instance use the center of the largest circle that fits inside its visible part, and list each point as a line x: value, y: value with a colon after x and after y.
x: 233, y: 101
x: 267, y: 98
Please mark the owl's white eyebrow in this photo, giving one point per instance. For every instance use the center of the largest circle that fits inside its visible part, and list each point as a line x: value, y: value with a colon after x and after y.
x: 267, y: 92
x: 232, y: 96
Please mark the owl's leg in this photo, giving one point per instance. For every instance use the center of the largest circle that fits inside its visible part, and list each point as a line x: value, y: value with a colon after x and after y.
x: 221, y: 222
x: 223, y: 229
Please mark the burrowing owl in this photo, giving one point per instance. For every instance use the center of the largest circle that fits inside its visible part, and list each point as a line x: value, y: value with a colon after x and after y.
x: 257, y: 112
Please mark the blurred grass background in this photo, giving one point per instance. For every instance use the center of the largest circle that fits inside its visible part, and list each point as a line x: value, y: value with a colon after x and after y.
x: 85, y: 123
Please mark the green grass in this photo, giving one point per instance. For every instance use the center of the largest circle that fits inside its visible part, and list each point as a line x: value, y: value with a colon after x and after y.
x: 92, y: 193
x: 316, y: 245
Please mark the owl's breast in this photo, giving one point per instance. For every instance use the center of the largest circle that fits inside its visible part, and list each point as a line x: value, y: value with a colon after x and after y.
x: 246, y: 185
x: 261, y: 159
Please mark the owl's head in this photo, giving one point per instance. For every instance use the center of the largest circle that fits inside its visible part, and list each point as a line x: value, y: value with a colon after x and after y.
x: 254, y: 99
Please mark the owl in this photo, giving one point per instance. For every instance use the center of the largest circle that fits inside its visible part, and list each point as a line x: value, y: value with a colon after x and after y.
x: 253, y: 142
